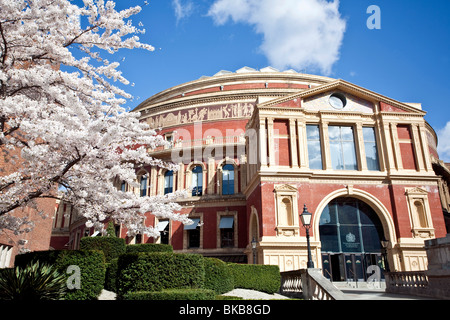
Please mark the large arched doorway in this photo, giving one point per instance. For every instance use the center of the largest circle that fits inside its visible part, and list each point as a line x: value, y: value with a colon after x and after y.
x: 351, y: 235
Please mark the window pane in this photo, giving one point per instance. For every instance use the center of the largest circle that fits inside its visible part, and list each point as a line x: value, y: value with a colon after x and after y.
x: 350, y: 239
x: 197, y: 181
x: 328, y: 216
x: 194, y: 238
x: 329, y: 238
x: 348, y: 213
x: 369, y: 134
x: 347, y: 134
x: 314, y: 147
x: 342, y: 148
x: 315, y: 155
x: 228, y: 179
x: 168, y: 182
x: 143, y: 188
x: 371, y: 238
x: 370, y: 146
x: 337, y: 161
x: 349, y: 153
x: 334, y: 133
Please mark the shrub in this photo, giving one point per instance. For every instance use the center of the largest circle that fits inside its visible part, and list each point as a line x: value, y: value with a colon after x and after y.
x: 149, y: 247
x: 160, y: 270
x: 36, y: 281
x: 218, y: 276
x: 172, y: 294
x: 264, y: 278
x: 90, y: 262
x: 112, y: 247
x: 111, y: 275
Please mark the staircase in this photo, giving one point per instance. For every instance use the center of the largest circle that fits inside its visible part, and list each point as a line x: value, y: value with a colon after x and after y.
x: 363, y: 285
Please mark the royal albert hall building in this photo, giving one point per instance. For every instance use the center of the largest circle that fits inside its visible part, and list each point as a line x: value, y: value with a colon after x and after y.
x: 253, y: 147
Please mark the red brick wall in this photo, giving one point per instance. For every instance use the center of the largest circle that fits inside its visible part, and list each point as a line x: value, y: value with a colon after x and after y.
x: 406, y: 147
x: 392, y: 197
x: 281, y: 143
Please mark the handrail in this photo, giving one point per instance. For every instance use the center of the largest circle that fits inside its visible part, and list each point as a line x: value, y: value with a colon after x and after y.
x: 309, y: 284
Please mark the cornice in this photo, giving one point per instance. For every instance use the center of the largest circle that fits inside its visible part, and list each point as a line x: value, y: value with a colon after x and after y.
x: 232, y: 78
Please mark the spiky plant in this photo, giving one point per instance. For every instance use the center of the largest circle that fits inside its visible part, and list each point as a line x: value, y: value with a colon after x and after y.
x: 36, y: 281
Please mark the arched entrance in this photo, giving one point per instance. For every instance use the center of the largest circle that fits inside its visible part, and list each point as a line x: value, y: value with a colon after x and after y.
x: 351, y: 233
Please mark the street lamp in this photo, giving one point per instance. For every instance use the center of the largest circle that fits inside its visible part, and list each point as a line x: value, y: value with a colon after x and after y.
x: 306, y: 221
x: 254, y: 250
x: 384, y: 245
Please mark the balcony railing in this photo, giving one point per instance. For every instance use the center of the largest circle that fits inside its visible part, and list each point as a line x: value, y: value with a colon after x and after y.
x: 182, y: 144
x: 309, y: 284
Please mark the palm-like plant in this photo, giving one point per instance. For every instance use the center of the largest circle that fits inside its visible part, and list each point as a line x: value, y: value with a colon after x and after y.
x: 36, y: 281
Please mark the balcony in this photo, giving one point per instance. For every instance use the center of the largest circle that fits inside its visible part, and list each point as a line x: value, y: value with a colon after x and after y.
x: 200, y: 143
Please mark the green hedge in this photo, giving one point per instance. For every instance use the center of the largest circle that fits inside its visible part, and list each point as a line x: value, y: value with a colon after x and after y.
x: 149, y: 247
x: 112, y: 247
x: 90, y: 262
x: 111, y: 275
x: 172, y: 294
x: 265, y: 278
x: 157, y: 271
x: 218, y: 276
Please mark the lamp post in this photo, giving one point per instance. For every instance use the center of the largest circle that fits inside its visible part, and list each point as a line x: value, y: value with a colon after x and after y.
x: 254, y: 250
x: 306, y: 221
x: 384, y: 245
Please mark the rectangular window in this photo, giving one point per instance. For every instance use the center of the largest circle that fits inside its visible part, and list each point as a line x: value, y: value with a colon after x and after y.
x: 168, y: 182
x: 342, y: 148
x: 163, y: 228
x: 143, y: 186
x: 228, y: 179
x: 370, y: 146
x: 226, y: 227
x: 314, y: 147
x: 193, y: 233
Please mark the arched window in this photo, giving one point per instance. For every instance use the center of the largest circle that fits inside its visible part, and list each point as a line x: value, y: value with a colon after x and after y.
x: 123, y: 186
x: 143, y: 186
x: 197, y: 181
x: 168, y: 182
x: 349, y: 225
x: 228, y: 179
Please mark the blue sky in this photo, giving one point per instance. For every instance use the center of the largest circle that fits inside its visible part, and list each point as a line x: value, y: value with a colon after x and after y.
x: 407, y: 59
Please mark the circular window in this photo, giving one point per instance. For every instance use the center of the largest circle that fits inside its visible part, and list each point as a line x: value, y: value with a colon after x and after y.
x: 338, y: 101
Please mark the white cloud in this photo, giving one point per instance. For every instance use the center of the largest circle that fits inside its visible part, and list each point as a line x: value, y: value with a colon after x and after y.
x: 182, y: 10
x: 297, y: 33
x: 444, y: 143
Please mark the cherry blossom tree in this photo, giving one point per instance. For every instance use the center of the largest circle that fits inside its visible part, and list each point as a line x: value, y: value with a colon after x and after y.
x: 63, y: 124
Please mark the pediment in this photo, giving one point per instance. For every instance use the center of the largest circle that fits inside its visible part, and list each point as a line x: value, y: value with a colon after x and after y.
x: 416, y: 191
x: 285, y: 187
x: 358, y: 99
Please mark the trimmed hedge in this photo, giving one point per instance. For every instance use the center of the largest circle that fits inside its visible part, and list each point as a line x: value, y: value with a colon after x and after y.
x: 265, y: 278
x: 149, y: 247
x: 111, y: 275
x: 172, y: 294
x: 218, y: 276
x: 90, y: 262
x: 112, y: 247
x: 157, y: 271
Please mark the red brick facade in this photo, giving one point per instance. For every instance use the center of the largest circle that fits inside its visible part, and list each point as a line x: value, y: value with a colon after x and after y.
x: 257, y: 122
